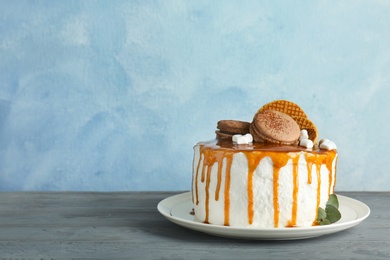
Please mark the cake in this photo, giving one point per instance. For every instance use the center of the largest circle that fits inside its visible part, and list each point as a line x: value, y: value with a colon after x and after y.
x: 268, y: 173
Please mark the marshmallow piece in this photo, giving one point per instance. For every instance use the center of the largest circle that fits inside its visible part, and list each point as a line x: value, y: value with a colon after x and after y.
x: 304, y: 135
x: 306, y: 143
x: 323, y: 140
x: 235, y: 137
x: 327, y: 144
x: 242, y: 139
x: 249, y: 137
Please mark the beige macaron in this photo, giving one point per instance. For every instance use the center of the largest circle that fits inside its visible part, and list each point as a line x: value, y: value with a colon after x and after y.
x: 275, y: 127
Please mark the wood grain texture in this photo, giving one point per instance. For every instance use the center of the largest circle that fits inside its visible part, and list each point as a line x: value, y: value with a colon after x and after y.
x: 128, y: 225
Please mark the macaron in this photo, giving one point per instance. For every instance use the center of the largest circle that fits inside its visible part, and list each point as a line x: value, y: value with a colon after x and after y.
x: 274, y: 127
x: 222, y: 135
x: 233, y: 127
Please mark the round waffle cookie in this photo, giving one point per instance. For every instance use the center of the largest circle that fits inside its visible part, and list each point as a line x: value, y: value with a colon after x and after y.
x: 286, y: 107
x: 305, y: 123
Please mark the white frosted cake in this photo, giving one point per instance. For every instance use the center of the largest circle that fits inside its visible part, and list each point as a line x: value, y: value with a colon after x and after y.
x: 247, y: 178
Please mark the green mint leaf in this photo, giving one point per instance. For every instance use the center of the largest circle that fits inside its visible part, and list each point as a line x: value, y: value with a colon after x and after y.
x: 332, y: 214
x: 321, y: 214
x: 325, y: 222
x: 333, y: 201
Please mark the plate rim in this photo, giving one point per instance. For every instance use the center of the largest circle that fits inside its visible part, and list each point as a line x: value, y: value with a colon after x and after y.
x: 166, y: 205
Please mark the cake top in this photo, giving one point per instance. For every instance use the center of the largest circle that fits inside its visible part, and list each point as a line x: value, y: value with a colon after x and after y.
x: 279, y: 122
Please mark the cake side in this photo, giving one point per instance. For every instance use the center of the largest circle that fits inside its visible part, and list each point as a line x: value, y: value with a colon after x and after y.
x: 259, y: 186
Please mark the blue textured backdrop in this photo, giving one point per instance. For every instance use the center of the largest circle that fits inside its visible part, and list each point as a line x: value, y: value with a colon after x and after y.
x: 112, y: 95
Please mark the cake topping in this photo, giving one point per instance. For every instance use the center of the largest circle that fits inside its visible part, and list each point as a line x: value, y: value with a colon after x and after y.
x: 228, y: 128
x: 305, y: 123
x: 306, y: 143
x: 304, y: 140
x: 327, y: 144
x: 222, y: 135
x: 275, y: 127
x: 303, y: 135
x: 276, y: 122
x: 286, y: 107
x: 297, y: 113
x: 242, y: 139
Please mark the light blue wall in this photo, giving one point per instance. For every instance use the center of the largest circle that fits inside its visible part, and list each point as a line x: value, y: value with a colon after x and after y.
x: 112, y: 95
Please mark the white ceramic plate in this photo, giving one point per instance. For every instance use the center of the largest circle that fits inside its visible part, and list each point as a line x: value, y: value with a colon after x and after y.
x: 177, y: 209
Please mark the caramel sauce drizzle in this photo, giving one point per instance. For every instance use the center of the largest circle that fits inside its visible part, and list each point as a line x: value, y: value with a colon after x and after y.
x: 253, y: 161
x: 211, y: 154
x: 229, y: 160
x: 335, y: 174
x: 276, y: 196
x: 318, y: 170
x: 209, y: 159
x: 329, y: 165
x: 207, y: 193
x: 312, y: 159
x: 279, y: 160
x: 196, y: 182
x: 294, y: 212
x: 218, y: 181
x: 309, y: 163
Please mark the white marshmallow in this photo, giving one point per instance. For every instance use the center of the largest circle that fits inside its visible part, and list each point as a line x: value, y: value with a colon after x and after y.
x: 306, y: 143
x: 304, y: 135
x: 327, y: 144
x: 235, y: 137
x: 249, y: 137
x: 242, y: 139
x: 323, y: 140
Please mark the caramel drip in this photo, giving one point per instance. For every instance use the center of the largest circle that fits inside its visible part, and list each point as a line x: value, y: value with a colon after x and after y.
x: 210, y: 157
x: 330, y: 175
x: 203, y: 170
x: 229, y: 160
x: 317, y: 160
x: 209, y: 168
x: 295, y: 192
x: 309, y: 164
x: 335, y: 173
x: 218, y: 182
x: 253, y: 161
x: 329, y: 164
x: 276, y: 196
x: 197, y: 176
x: 279, y: 161
x: 318, y: 167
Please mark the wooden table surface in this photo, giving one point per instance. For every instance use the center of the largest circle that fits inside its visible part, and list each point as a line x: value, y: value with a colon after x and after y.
x: 52, y: 225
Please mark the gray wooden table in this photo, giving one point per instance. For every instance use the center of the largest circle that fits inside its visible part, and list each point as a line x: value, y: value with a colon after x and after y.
x: 127, y: 225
